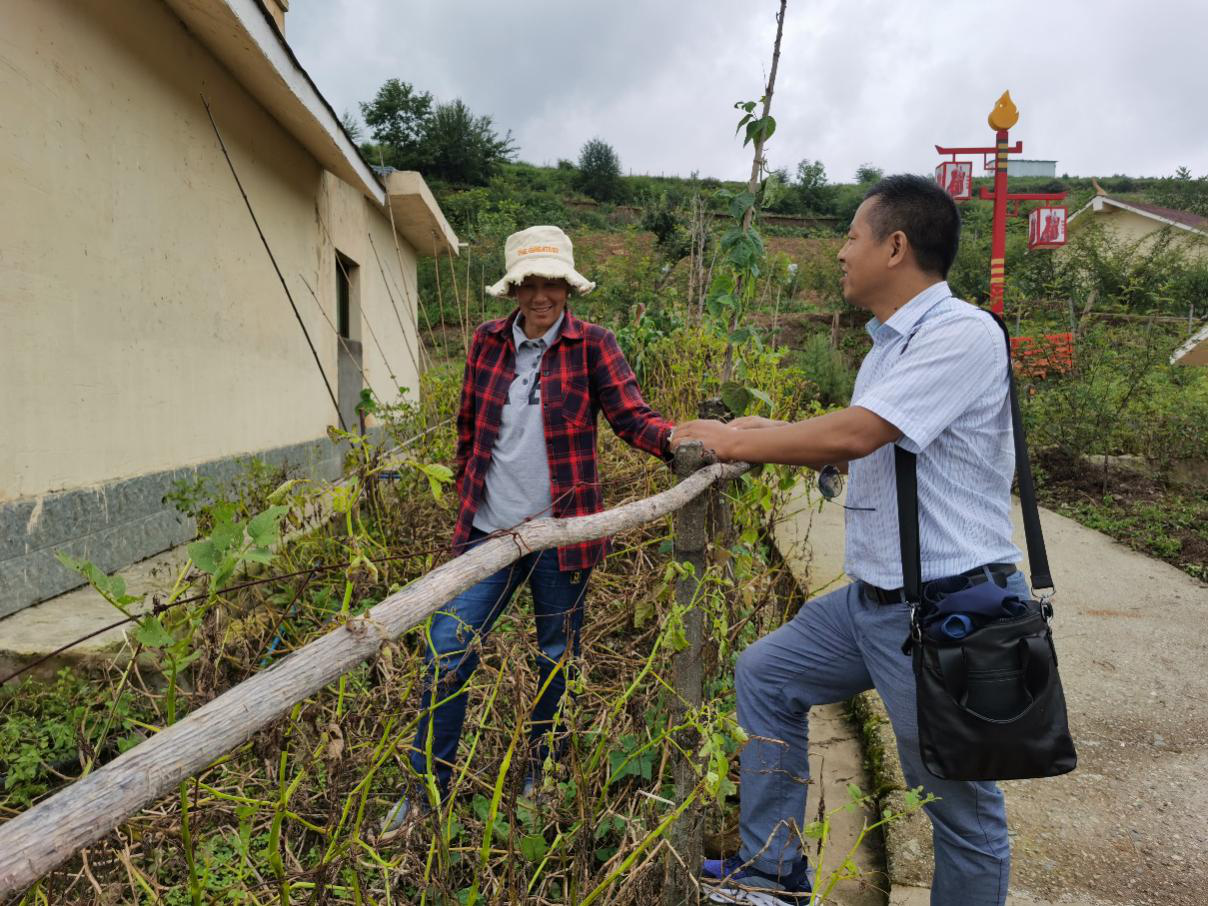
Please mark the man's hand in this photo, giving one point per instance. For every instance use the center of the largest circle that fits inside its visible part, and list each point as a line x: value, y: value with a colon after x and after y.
x: 715, y: 436
x: 756, y: 421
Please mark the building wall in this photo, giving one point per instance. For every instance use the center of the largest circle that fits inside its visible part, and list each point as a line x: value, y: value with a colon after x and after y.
x: 143, y: 331
x: 1128, y: 228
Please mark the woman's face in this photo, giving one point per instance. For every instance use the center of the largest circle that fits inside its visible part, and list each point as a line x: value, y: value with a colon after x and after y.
x: 541, y: 301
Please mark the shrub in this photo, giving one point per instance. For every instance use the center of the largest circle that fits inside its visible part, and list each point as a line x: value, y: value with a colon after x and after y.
x: 600, y: 171
x: 827, y: 369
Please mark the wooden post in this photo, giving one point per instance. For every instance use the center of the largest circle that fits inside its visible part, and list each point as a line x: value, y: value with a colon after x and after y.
x: 55, y: 829
x: 687, y: 679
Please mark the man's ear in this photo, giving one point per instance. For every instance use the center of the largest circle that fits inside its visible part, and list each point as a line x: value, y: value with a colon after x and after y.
x: 899, y: 248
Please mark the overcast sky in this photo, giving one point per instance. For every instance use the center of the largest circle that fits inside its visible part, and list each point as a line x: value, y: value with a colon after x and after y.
x: 1103, y: 86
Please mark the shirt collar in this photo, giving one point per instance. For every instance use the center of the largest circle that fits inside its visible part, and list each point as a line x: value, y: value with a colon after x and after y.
x: 572, y: 327
x: 546, y: 339
x: 905, y: 318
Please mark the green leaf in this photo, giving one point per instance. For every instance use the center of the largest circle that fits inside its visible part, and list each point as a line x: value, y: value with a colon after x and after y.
x: 533, y: 847
x: 151, y: 634
x: 205, y: 556
x: 226, y: 536
x: 258, y: 555
x: 265, y: 528
x: 739, y: 204
x: 741, y: 335
x: 761, y: 396
x: 736, y: 397
x: 283, y: 489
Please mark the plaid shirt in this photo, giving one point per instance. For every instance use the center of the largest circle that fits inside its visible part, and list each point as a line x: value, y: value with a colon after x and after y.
x: 583, y: 373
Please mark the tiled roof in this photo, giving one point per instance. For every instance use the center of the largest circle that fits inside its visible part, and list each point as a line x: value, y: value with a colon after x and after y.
x: 1184, y: 217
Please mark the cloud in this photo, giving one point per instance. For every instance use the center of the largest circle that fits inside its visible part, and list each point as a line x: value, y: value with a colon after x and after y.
x: 1102, y: 87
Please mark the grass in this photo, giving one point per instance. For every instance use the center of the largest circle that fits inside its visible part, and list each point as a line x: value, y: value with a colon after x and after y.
x: 292, y: 815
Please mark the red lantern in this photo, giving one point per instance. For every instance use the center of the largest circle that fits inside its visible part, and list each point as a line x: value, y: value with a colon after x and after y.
x: 1046, y: 228
x: 956, y: 178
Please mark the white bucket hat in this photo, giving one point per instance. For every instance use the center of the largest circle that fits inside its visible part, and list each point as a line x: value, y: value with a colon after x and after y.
x: 540, y: 251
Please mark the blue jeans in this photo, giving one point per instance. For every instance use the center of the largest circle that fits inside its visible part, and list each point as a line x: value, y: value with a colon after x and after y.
x: 457, y: 633
x: 838, y: 645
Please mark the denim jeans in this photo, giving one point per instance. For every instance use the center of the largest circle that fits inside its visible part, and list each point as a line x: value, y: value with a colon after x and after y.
x: 838, y: 645
x: 457, y: 633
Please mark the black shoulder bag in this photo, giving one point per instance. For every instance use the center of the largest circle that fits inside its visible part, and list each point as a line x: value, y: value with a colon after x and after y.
x: 990, y: 702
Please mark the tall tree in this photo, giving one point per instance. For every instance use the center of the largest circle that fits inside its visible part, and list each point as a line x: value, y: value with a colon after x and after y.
x: 397, y: 118
x: 867, y: 174
x: 462, y: 148
x: 600, y: 171
x: 816, y: 195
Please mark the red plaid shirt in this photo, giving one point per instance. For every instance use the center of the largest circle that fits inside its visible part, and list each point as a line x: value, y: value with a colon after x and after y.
x: 581, y: 374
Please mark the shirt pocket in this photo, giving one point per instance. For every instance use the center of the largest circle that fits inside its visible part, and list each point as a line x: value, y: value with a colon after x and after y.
x: 575, y: 406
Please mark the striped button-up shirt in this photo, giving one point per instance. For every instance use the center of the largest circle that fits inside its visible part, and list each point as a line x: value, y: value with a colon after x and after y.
x: 937, y: 371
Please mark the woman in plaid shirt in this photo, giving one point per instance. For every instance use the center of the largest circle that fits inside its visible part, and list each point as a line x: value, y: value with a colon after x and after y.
x: 526, y: 447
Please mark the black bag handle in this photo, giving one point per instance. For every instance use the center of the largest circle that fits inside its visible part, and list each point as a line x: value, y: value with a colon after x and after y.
x: 906, y: 470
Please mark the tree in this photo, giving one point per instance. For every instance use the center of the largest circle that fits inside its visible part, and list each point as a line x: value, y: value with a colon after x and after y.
x: 867, y: 174
x: 600, y: 171
x: 397, y: 118
x: 815, y: 194
x: 349, y: 121
x: 462, y: 148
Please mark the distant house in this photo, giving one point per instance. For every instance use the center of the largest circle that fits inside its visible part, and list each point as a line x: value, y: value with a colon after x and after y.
x: 1023, y: 167
x: 144, y: 334
x: 1135, y: 222
x: 1194, y: 351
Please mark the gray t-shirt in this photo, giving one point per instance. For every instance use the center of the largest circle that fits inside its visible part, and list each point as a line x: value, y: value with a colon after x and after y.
x: 517, y: 483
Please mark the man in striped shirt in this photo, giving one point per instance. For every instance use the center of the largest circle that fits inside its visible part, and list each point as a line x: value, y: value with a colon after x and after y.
x: 935, y: 382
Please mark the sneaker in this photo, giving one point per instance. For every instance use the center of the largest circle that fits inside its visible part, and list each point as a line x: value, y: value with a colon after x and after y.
x: 738, y: 883
x: 398, y: 814
x: 532, y: 788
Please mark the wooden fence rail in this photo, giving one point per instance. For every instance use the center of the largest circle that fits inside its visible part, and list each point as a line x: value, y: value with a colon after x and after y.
x: 53, y: 830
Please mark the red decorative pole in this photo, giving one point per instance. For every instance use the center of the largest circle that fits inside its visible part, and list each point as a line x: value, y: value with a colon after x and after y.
x: 998, y: 236
x: 1001, y: 119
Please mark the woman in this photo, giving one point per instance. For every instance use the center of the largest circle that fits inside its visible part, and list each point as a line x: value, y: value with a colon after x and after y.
x: 526, y: 447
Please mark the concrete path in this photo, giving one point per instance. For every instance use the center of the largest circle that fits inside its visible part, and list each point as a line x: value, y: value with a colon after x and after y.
x: 1130, y: 825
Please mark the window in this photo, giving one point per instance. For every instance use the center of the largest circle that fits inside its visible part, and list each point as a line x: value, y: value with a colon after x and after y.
x: 345, y: 274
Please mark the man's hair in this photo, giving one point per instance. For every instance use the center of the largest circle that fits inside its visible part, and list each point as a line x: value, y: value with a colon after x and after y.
x: 923, y: 211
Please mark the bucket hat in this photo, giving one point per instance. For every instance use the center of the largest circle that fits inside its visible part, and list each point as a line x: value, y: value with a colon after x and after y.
x: 540, y: 251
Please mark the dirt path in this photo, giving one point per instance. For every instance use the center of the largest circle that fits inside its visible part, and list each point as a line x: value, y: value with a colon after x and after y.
x: 1128, y: 827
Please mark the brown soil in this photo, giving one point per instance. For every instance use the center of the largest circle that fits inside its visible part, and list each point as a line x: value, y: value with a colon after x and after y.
x: 1073, y: 486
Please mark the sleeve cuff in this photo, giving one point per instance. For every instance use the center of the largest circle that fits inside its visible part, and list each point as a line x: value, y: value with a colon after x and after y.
x: 914, y: 437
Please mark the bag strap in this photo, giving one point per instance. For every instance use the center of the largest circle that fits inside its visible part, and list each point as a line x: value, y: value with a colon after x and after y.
x: 906, y: 472
x: 1038, y: 557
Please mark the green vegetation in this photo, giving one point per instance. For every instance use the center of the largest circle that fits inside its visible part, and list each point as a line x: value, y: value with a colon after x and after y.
x: 600, y: 172
x: 710, y: 297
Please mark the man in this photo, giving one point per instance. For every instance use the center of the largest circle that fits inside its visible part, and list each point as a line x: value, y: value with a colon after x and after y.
x: 935, y: 382
x: 526, y: 447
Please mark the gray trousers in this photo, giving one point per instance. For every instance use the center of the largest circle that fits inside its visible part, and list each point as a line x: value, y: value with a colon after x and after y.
x: 836, y: 646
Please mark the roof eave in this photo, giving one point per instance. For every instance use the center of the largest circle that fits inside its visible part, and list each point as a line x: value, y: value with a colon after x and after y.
x: 1125, y: 206
x: 416, y: 215
x: 243, y: 37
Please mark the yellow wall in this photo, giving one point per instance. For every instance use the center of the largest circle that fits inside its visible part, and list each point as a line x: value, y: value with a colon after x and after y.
x: 142, y: 326
x: 1128, y: 228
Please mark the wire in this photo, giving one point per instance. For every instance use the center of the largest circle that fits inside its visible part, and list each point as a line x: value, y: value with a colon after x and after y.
x: 272, y: 258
